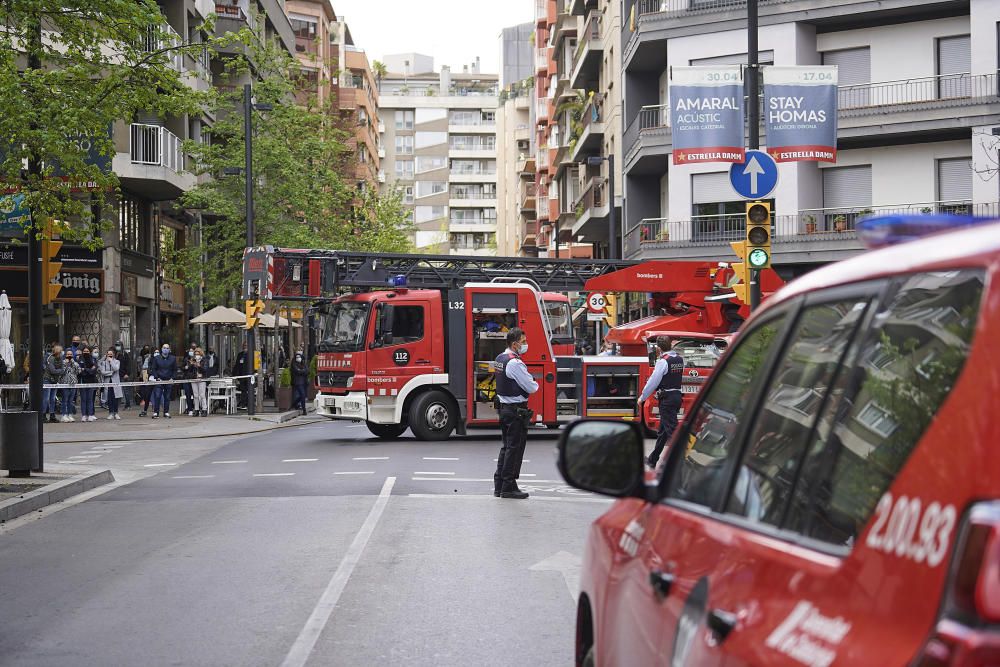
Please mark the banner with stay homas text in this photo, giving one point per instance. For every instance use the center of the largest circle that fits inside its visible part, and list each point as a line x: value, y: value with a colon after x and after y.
x: 706, y: 114
x: 800, y: 113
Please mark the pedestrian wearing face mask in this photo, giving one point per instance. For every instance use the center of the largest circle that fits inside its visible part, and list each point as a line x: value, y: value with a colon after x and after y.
x: 162, y: 367
x: 110, y: 368
x: 125, y: 361
x: 300, y: 380
x: 187, y: 373
x: 199, y: 388
x: 88, y: 376
x: 69, y: 393
x: 55, y: 368
x: 513, y: 386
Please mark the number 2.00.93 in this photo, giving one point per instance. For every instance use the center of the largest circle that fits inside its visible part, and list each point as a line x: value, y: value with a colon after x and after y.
x: 907, y: 530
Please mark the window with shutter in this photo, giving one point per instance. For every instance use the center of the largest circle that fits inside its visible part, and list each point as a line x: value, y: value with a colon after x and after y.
x: 954, y: 184
x: 846, y: 192
x: 954, y: 62
x: 854, y: 74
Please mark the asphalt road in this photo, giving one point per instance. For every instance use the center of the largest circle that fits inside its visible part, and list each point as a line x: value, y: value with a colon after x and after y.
x: 316, y: 545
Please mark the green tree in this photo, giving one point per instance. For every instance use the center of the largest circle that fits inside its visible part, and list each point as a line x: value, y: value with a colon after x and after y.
x: 303, y: 165
x: 99, y: 62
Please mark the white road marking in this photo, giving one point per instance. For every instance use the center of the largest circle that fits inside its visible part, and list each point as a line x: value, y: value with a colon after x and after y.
x: 441, y: 458
x: 356, y: 472
x: 370, y: 458
x: 114, y: 446
x: 298, y: 460
x: 528, y: 474
x: 354, y: 426
x: 477, y: 479
x: 522, y: 460
x: 298, y: 654
x: 85, y: 456
x: 193, y: 476
x: 431, y: 472
x: 484, y: 496
x: 77, y: 462
x: 241, y: 461
x: 273, y: 474
x: 158, y: 465
x: 565, y: 563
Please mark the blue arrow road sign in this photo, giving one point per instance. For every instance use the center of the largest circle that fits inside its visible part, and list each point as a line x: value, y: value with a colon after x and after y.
x: 755, y: 177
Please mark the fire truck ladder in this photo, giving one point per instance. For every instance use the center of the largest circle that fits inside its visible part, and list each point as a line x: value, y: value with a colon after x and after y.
x: 361, y: 270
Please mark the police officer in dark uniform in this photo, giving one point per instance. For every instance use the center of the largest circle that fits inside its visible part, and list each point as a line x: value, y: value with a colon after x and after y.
x: 513, y: 386
x: 666, y: 382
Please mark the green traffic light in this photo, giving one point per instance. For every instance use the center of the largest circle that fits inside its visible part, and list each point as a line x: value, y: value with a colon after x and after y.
x: 758, y: 258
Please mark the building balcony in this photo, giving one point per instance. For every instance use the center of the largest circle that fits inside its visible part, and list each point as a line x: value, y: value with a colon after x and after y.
x: 230, y: 19
x: 589, y: 52
x: 473, y: 128
x: 542, y: 111
x: 381, y: 176
x: 592, y: 134
x: 811, y: 235
x: 527, y: 198
x: 591, y: 209
x: 526, y: 166
x: 541, y: 13
x: 472, y: 176
x: 565, y: 25
x: 154, y: 164
x: 473, y: 200
x: 581, y: 7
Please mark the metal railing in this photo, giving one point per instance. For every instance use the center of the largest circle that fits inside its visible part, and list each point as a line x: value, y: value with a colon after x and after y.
x: 593, y: 196
x: 541, y: 9
x: 591, y: 31
x: 807, y: 225
x: 529, y: 190
x: 541, y: 57
x: 483, y: 144
x: 230, y: 12
x: 942, y: 88
x: 463, y: 171
x: 674, y: 7
x: 155, y: 145
x: 472, y: 196
x: 542, y: 108
x: 164, y: 37
x: 593, y: 112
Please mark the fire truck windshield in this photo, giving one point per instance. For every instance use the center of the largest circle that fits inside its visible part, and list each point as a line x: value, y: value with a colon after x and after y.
x: 342, y: 328
x: 560, y: 324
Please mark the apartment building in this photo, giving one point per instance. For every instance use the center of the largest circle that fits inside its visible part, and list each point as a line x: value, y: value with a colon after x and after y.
x: 517, y: 226
x: 124, y: 291
x: 440, y: 144
x: 919, y: 111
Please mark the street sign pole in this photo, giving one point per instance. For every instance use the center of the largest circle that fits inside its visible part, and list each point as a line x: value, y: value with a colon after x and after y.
x: 248, y: 173
x: 753, y: 101
x: 36, y: 336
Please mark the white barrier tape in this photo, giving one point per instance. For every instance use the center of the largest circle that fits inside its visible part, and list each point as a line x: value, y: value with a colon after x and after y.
x: 140, y: 383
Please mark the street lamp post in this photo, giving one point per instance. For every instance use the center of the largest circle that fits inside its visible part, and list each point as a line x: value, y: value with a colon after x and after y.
x: 248, y: 108
x: 595, y: 161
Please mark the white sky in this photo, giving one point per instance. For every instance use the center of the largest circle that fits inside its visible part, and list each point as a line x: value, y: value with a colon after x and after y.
x: 453, y: 32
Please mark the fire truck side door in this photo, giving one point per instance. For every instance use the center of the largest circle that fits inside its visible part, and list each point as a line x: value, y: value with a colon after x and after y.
x: 401, y: 346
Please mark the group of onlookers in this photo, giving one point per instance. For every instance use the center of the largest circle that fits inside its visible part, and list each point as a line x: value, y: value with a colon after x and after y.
x: 79, y: 365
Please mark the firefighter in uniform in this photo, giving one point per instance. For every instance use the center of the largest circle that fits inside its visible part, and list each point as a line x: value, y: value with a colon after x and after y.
x: 513, y: 386
x: 666, y: 382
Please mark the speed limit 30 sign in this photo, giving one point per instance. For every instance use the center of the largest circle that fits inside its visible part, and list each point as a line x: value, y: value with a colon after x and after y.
x: 596, y: 302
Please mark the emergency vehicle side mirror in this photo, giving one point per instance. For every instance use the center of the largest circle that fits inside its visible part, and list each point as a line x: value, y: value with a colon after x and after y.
x: 603, y: 456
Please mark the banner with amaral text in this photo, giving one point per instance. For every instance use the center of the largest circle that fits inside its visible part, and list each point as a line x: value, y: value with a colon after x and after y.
x: 800, y: 113
x: 706, y: 114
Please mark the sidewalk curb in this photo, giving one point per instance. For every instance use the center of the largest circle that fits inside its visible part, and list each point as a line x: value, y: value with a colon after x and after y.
x: 275, y: 425
x: 52, y: 493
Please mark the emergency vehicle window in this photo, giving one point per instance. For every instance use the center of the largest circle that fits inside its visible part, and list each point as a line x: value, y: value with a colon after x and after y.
x: 702, y: 475
x: 884, y: 400
x: 774, y: 452
x: 407, y: 324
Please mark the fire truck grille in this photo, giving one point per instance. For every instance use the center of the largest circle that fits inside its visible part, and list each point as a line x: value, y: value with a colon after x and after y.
x: 334, y: 379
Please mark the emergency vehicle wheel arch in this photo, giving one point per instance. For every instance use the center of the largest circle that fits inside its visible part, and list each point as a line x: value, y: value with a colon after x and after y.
x: 410, y: 390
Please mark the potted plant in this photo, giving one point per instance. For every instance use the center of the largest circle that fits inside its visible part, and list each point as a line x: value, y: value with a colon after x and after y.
x: 664, y: 235
x: 926, y: 210
x: 840, y: 223
x: 284, y: 392
x: 311, y: 388
x: 810, y: 221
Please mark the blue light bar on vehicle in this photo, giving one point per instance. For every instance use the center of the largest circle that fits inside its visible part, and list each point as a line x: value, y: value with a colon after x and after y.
x: 397, y: 281
x: 880, y: 231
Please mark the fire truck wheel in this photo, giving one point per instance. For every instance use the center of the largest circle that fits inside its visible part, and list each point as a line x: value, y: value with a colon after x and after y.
x: 432, y: 416
x: 386, y: 431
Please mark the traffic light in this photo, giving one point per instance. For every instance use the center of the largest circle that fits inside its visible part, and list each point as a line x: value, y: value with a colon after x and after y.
x: 758, y: 243
x: 254, y: 307
x: 740, y: 283
x: 50, y: 270
x: 612, y: 310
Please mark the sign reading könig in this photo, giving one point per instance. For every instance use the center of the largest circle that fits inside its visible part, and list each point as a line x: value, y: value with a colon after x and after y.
x: 706, y: 114
x: 800, y: 113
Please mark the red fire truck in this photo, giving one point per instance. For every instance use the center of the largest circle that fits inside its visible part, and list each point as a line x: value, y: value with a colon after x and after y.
x: 408, y: 342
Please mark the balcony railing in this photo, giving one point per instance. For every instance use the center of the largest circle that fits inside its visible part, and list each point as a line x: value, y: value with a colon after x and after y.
x: 472, y: 196
x: 230, y: 12
x: 473, y: 221
x: 541, y: 9
x: 472, y: 145
x: 162, y: 37
x: 675, y: 7
x: 155, y: 145
x: 593, y: 197
x: 465, y: 171
x: 591, y: 32
x: 945, y: 88
x: 529, y: 191
x: 541, y: 57
x: 593, y: 112
x: 807, y: 225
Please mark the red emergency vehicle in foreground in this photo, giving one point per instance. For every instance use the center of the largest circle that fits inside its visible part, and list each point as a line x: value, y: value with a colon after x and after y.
x: 834, y: 496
